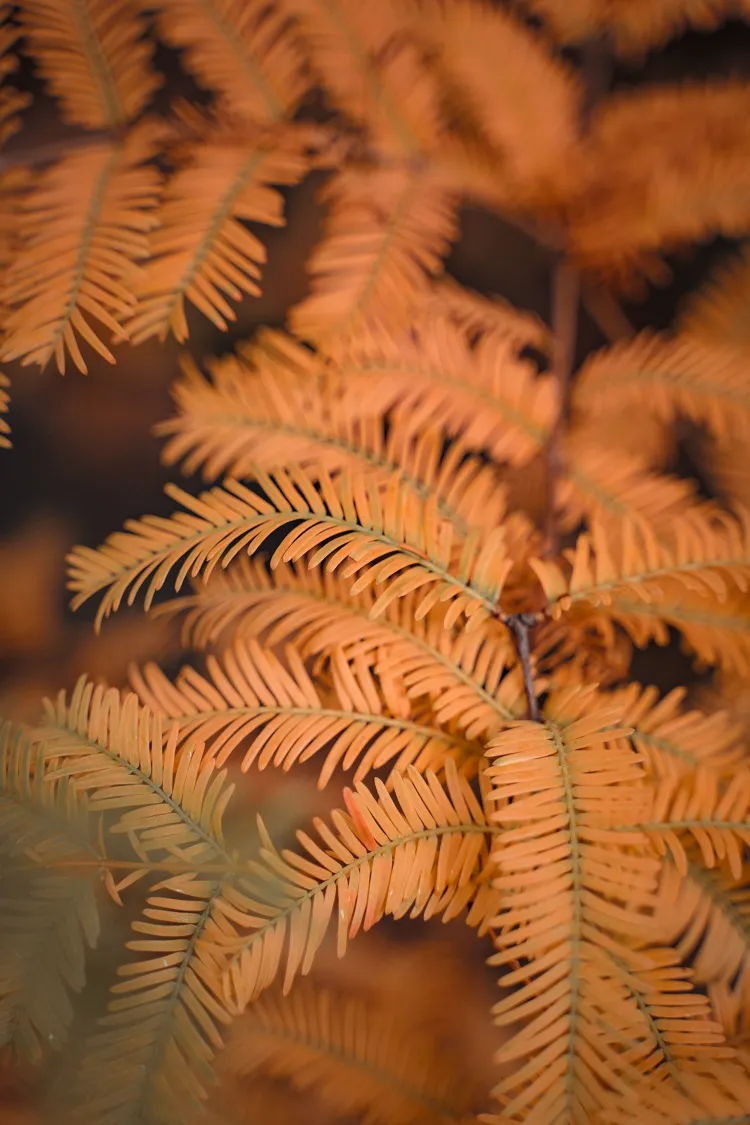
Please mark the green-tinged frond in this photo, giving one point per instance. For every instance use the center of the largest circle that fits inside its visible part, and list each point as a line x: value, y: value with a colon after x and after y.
x: 677, y: 742
x: 5, y: 442
x: 387, y: 533
x: 632, y: 26
x: 705, y: 915
x: 706, y: 561
x: 718, y: 313
x: 641, y: 186
x: 607, y: 486
x: 244, y: 419
x: 478, y: 315
x: 81, y: 230
x: 94, y: 57
x: 202, y: 253
x: 150, y: 1061
x: 166, y: 799
x: 712, y: 1093
x: 48, y: 916
x: 670, y: 376
x: 361, y: 1061
x: 469, y: 676
x: 419, y: 850
x: 531, y: 95
x: 485, y: 396
x: 574, y: 894
x: 243, y: 49
x: 371, y: 71
x: 386, y: 234
x: 273, y: 711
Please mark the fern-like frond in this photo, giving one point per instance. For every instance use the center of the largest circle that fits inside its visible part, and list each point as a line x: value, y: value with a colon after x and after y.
x: 245, y: 418
x: 469, y: 676
x: 49, y: 915
x: 718, y: 312
x: 670, y: 376
x: 386, y: 234
x: 243, y: 49
x: 484, y: 396
x: 642, y: 187
x: 371, y: 71
x: 571, y: 899
x: 94, y: 57
x: 477, y: 315
x: 583, y: 646
x: 82, y: 228
x: 273, y: 710
x: 530, y: 95
x: 419, y: 850
x: 632, y: 26
x: 361, y: 1061
x: 386, y: 534
x: 5, y: 442
x: 202, y: 253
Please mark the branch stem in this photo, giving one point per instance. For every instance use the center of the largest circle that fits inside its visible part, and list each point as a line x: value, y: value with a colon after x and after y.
x: 520, y: 625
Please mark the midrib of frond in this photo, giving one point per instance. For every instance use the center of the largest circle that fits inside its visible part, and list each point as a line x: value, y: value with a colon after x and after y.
x: 89, y: 230
x: 444, y: 1111
x: 666, y: 746
x: 651, y: 1020
x: 454, y: 383
x: 223, y: 212
x: 673, y: 379
x: 689, y: 616
x: 381, y: 96
x: 470, y: 828
x: 236, y: 46
x: 710, y: 885
x: 92, y: 48
x: 658, y: 572
x: 577, y: 885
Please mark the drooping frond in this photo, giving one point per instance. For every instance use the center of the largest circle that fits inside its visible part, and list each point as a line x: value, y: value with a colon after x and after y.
x: 5, y: 442
x: 387, y: 533
x: 718, y: 312
x: 273, y: 711
x: 607, y: 486
x: 386, y: 234
x: 583, y: 646
x: 93, y: 55
x: 469, y: 676
x: 120, y: 753
x: 632, y: 26
x: 202, y: 253
x: 642, y: 187
x: 476, y: 315
x: 484, y: 396
x: 574, y: 895
x: 49, y: 914
x: 243, y: 49
x: 82, y: 228
x: 683, y: 374
x: 371, y: 71
x: 530, y: 95
x: 245, y: 418
x: 361, y: 1061
x: 417, y: 851
x: 677, y: 742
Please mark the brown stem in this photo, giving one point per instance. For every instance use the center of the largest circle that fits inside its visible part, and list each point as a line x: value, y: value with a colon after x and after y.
x: 520, y: 625
x: 606, y: 313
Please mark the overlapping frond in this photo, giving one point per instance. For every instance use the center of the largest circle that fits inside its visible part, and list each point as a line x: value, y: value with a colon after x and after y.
x: 471, y: 678
x: 202, y: 253
x: 672, y: 376
x: 272, y: 710
x: 642, y: 188
x: 718, y: 311
x: 485, y: 396
x: 476, y: 314
x: 357, y: 1057
x: 93, y: 55
x: 371, y: 533
x: 82, y: 229
x: 633, y: 26
x: 575, y: 897
x: 417, y: 851
x: 50, y: 915
x: 531, y: 94
x: 715, y: 1092
x: 386, y: 234
x: 247, y: 51
x: 371, y: 71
